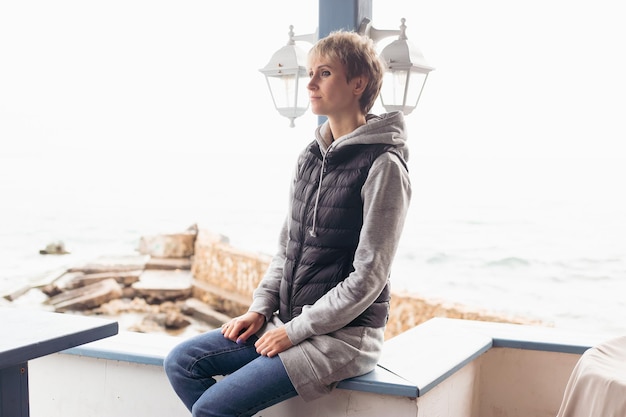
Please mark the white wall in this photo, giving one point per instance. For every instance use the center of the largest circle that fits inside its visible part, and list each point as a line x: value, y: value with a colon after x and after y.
x: 523, y: 383
x: 71, y: 386
x: 64, y: 385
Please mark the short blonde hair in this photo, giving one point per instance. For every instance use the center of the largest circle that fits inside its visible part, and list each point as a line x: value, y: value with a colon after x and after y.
x: 358, y: 55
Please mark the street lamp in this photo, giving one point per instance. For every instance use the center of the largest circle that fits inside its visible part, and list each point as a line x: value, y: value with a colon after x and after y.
x: 287, y: 78
x: 405, y: 76
x: 406, y: 72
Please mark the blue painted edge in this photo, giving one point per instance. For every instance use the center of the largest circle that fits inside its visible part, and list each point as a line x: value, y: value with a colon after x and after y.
x: 528, y: 337
x: 93, y: 352
x: 543, y: 346
x: 375, y: 387
x: 380, y: 381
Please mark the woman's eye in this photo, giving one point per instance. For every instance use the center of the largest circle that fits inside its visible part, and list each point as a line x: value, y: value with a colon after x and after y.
x: 323, y: 73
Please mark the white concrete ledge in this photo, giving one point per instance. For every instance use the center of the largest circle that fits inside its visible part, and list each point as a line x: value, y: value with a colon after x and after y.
x: 142, y: 348
x: 151, y: 349
x: 431, y: 352
x: 443, y: 368
x: 412, y: 363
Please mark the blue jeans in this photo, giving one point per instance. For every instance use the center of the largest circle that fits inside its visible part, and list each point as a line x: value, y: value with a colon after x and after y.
x: 252, y: 382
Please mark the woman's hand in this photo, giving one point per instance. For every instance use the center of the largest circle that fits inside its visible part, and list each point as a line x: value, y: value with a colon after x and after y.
x: 273, y: 342
x: 270, y: 344
x: 241, y: 328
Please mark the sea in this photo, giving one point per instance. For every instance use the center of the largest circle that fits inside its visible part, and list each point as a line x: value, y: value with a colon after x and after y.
x: 540, y: 239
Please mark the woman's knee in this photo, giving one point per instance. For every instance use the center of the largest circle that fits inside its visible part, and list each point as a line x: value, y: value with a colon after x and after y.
x: 184, y: 357
x: 170, y: 362
x: 179, y: 359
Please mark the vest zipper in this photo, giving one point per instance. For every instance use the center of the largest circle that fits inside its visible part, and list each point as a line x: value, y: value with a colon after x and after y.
x: 312, y: 231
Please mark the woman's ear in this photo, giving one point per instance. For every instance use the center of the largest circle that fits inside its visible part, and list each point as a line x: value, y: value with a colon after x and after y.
x: 360, y: 83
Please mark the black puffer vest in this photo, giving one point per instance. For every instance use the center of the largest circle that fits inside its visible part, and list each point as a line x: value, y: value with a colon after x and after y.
x: 316, y: 264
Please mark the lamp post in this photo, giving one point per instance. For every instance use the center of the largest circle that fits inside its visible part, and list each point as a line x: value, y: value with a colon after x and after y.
x: 404, y: 78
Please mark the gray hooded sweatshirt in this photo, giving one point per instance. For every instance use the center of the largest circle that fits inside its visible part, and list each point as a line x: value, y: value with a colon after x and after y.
x: 325, y: 351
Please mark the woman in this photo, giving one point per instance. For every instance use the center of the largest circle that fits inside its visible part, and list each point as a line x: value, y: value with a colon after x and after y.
x: 319, y: 313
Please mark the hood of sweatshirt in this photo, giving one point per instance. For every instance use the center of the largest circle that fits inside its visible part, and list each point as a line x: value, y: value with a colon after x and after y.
x: 387, y: 128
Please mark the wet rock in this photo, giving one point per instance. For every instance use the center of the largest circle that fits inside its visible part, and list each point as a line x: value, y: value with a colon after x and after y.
x: 176, y: 245
x: 129, y: 292
x: 139, y: 316
x: 158, y: 321
x: 51, y: 290
x: 169, y: 263
x: 126, y: 305
x: 60, y: 284
x: 174, y: 320
x: 160, y: 286
x: 197, y: 309
x: 54, y: 248
x: 87, y: 297
x: 124, y: 278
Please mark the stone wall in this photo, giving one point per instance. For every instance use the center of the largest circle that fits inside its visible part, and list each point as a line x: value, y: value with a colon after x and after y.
x: 225, y: 278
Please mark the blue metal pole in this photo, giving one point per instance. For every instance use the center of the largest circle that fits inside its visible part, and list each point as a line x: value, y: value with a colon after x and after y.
x: 341, y: 15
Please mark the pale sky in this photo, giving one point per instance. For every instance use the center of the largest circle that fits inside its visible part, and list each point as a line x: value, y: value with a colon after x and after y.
x: 82, y: 81
x: 512, y: 78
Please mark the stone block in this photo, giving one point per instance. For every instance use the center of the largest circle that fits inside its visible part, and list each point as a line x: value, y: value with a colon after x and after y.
x: 200, y: 310
x: 177, y: 245
x: 112, y: 264
x: 168, y: 263
x: 87, y: 297
x: 124, y: 278
x: 157, y: 286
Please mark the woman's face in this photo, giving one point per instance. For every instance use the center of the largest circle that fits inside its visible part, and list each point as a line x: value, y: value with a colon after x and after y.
x: 330, y: 93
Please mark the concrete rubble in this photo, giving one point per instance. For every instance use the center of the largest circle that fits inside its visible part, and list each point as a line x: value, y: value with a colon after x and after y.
x: 150, y: 291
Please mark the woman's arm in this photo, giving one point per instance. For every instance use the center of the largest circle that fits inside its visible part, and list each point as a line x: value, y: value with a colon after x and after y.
x: 265, y: 303
x: 266, y: 295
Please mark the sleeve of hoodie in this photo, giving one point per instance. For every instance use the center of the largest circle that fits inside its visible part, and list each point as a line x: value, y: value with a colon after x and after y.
x: 266, y: 295
x: 265, y: 298
x: 386, y: 196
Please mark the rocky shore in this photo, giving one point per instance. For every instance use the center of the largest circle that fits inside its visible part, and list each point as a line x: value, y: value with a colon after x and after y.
x: 186, y: 283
